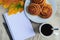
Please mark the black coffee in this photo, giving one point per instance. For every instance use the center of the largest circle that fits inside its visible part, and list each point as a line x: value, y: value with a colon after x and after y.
x: 46, y: 29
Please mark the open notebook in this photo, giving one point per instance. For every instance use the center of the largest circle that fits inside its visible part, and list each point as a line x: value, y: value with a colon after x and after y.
x: 20, y: 27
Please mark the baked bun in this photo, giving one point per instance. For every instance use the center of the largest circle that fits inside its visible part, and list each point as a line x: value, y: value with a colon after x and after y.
x: 46, y: 11
x: 41, y: 2
x: 34, y: 9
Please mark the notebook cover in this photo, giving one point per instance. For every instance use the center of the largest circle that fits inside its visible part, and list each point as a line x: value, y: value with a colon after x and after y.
x: 19, y: 25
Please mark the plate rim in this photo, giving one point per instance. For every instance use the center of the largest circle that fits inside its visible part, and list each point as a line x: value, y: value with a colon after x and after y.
x: 40, y: 17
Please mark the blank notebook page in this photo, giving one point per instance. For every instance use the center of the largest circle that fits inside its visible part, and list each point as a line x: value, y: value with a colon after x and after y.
x: 20, y: 27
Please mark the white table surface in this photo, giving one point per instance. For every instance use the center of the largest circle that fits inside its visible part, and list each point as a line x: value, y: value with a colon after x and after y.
x: 3, y: 33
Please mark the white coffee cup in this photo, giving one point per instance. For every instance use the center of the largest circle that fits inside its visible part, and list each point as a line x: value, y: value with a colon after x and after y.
x: 54, y: 31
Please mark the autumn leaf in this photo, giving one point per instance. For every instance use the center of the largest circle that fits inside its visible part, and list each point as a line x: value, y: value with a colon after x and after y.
x: 12, y: 11
x: 13, y: 6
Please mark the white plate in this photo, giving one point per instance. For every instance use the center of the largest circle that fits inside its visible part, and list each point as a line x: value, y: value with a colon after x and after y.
x: 38, y: 19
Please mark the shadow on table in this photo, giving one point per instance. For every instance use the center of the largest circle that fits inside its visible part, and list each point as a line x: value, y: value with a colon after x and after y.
x: 8, y: 32
x: 7, y: 29
x: 35, y: 26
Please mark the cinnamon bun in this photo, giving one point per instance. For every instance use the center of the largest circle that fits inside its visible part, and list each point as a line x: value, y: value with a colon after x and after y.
x: 34, y: 9
x: 46, y: 11
x: 41, y: 2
